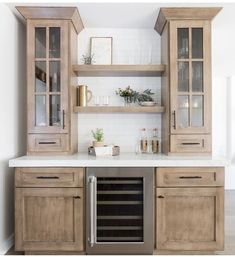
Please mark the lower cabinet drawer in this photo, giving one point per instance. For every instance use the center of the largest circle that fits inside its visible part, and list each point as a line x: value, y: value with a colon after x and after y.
x: 189, y: 176
x: 49, y: 219
x: 190, y: 143
x: 190, y: 218
x: 48, y: 143
x: 49, y: 177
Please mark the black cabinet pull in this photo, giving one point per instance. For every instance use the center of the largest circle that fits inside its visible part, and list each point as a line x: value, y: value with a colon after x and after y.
x: 160, y: 196
x: 63, y: 119
x: 46, y: 143
x: 190, y: 143
x: 47, y: 177
x: 77, y: 197
x: 190, y: 177
x: 174, y: 120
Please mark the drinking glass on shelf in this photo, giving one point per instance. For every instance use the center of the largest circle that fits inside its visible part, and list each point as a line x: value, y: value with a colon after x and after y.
x: 97, y: 100
x: 105, y: 100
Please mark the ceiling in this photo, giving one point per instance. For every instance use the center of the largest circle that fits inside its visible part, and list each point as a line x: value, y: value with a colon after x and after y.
x: 118, y: 15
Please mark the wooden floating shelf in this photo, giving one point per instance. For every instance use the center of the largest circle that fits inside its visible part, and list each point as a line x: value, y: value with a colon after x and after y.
x: 119, y: 109
x: 117, y: 70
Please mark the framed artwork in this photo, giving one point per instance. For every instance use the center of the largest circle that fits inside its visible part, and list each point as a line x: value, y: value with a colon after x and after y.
x: 101, y: 50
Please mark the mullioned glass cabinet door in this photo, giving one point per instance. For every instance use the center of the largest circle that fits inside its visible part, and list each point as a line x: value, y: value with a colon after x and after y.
x: 47, y: 81
x: 190, y: 77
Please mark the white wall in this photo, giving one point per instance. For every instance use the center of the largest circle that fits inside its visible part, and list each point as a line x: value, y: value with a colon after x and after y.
x: 223, y: 89
x: 12, y: 115
x: 130, y: 46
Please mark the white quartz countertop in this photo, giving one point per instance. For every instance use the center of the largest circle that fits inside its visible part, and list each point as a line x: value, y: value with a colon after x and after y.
x: 123, y: 160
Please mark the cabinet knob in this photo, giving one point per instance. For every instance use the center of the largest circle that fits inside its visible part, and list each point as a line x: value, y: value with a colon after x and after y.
x: 160, y: 196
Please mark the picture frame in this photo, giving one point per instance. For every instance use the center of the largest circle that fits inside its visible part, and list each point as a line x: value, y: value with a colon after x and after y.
x: 101, y: 49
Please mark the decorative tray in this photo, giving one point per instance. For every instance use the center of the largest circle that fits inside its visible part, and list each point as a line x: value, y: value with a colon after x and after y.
x: 104, y: 150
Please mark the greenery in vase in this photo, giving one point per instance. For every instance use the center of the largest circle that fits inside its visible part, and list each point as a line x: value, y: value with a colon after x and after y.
x: 135, y: 96
x: 128, y: 93
x: 98, y: 134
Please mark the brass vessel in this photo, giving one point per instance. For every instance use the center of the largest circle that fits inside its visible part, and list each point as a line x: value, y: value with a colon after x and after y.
x: 84, y: 95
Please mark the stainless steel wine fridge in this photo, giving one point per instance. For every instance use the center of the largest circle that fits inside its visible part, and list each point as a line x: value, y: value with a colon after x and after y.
x: 120, y: 209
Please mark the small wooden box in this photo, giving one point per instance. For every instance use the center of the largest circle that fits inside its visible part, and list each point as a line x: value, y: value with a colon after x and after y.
x: 116, y: 151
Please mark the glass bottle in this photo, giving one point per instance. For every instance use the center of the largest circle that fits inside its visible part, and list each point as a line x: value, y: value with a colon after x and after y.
x: 155, y: 141
x: 143, y: 141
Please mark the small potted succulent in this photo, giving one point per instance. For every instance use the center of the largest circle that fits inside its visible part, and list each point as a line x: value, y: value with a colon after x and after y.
x: 98, y: 135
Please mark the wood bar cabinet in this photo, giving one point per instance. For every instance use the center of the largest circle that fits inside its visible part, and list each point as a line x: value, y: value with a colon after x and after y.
x: 51, y: 84
x: 186, y: 83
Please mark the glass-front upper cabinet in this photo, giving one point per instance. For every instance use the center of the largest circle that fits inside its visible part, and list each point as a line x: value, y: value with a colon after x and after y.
x: 190, y: 79
x: 48, y: 96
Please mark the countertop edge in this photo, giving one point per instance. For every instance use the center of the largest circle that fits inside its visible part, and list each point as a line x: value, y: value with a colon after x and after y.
x: 118, y: 162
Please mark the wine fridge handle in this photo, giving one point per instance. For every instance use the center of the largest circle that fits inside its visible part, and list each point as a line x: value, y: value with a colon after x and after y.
x: 92, y: 193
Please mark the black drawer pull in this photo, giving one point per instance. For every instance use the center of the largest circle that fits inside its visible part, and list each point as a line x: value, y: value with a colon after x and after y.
x: 47, y: 177
x: 190, y: 143
x: 77, y: 197
x: 160, y: 196
x: 190, y: 177
x: 46, y: 143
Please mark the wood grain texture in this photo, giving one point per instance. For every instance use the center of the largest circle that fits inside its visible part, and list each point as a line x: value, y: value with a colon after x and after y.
x: 49, y: 177
x: 190, y: 144
x: 192, y: 177
x: 119, y: 109
x: 165, y: 92
x: 73, y: 82
x: 49, y: 219
x: 47, y: 143
x: 190, y: 218
x: 118, y: 70
x: 53, y: 13
x: 186, y: 13
x: 54, y: 253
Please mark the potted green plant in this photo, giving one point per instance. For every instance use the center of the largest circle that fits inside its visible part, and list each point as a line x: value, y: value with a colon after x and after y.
x: 98, y: 135
x: 129, y: 95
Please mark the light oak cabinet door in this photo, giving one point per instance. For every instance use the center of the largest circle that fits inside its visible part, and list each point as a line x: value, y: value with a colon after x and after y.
x: 190, y: 218
x: 49, y: 219
x: 47, y: 56
x: 190, y: 55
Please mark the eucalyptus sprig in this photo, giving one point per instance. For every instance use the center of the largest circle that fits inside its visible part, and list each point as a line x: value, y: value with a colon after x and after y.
x: 145, y: 96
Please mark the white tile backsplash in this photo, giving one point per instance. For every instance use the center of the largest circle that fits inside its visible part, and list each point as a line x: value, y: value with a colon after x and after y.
x: 130, y: 46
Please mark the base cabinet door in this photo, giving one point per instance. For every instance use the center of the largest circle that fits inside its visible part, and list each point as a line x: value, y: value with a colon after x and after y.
x: 190, y: 218
x: 49, y: 219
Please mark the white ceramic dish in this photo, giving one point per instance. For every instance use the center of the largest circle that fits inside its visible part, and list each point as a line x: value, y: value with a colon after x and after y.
x: 147, y: 103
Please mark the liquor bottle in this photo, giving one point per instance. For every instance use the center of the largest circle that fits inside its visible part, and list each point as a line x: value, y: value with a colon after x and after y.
x: 143, y: 141
x: 155, y: 141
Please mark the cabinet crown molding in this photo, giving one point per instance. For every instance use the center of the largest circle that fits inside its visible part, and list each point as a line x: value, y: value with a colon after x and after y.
x: 53, y: 13
x: 185, y: 13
